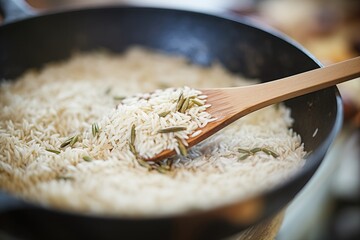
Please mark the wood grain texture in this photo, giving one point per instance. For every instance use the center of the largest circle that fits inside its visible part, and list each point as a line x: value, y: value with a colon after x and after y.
x: 230, y: 104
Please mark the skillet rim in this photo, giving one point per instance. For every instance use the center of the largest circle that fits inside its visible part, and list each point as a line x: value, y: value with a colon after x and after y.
x: 315, y: 158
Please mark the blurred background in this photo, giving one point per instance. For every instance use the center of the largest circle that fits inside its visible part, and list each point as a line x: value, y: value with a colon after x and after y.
x: 329, y: 206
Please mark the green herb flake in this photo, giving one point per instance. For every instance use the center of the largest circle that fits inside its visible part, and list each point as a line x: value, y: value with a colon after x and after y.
x: 191, y: 104
x: 87, y: 158
x: 171, y: 129
x: 197, y: 102
x: 66, y: 142
x: 52, y: 151
x: 74, y: 140
x: 164, y: 114
x: 144, y: 164
x: 160, y: 169
x: 133, y: 134
x: 67, y: 178
x: 255, y: 150
x: 182, y: 147
x: 242, y: 150
x: 269, y: 152
x: 133, y: 149
x: 185, y: 105
x: 95, y: 129
x: 243, y: 157
x: 70, y: 141
x: 180, y: 102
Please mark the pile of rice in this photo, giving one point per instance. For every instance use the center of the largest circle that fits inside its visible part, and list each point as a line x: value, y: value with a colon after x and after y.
x: 96, y: 174
x: 147, y: 124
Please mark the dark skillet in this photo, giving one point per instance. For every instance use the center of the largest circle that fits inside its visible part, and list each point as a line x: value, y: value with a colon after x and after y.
x: 238, y: 44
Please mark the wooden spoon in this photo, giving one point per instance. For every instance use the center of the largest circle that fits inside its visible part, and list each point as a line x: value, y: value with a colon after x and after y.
x: 230, y: 104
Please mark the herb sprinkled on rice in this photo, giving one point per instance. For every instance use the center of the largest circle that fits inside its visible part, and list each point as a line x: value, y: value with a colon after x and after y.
x: 73, y: 135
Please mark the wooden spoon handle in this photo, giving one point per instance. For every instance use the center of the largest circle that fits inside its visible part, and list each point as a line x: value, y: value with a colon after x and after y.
x: 229, y: 104
x: 233, y: 103
x: 303, y: 83
x: 240, y: 101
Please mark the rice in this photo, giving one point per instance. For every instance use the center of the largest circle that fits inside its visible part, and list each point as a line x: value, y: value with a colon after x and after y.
x: 100, y: 174
x: 143, y: 116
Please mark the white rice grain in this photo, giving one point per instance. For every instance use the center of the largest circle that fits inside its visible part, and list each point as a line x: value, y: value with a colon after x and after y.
x: 43, y: 108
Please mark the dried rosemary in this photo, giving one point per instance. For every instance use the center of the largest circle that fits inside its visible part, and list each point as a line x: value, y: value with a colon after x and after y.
x: 133, y: 134
x: 64, y: 144
x: 242, y: 150
x: 160, y: 169
x: 197, y: 102
x: 95, y: 129
x: 180, y: 102
x: 269, y: 152
x: 70, y: 178
x: 182, y: 147
x: 185, y: 105
x: 132, y: 140
x: 70, y: 141
x: 87, y: 158
x: 132, y: 149
x: 52, y: 151
x: 191, y: 104
x: 144, y: 163
x: 255, y: 150
x: 74, y: 140
x: 250, y: 152
x: 164, y: 114
x: 245, y: 156
x: 171, y: 129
